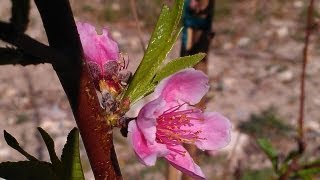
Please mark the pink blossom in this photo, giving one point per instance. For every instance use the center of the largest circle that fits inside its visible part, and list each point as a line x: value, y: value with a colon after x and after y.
x: 164, y: 124
x: 100, y: 51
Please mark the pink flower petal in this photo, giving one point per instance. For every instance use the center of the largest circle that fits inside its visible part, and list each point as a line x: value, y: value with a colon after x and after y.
x: 184, y: 163
x: 215, y: 129
x: 188, y: 85
x: 146, y: 153
x: 147, y: 118
x: 97, y: 48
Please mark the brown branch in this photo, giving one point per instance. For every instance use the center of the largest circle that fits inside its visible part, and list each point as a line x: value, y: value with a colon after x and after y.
x: 62, y: 34
x: 136, y: 19
x: 8, y: 33
x: 293, y: 166
x: 16, y: 56
x: 303, y: 72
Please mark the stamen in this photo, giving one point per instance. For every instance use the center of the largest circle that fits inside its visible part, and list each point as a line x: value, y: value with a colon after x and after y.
x: 170, y: 126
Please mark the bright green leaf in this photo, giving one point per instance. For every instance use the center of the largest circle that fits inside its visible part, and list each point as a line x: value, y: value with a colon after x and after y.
x: 26, y: 170
x: 270, y: 151
x: 12, y: 142
x: 164, y: 36
x: 50, y: 146
x: 177, y: 65
x: 71, y: 157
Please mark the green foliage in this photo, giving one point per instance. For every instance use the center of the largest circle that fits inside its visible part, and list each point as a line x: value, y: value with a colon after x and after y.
x: 178, y: 64
x: 270, y: 151
x: 165, y: 34
x: 266, y: 125
x: 68, y: 168
x: 71, y: 157
x: 308, y: 174
x: 261, y: 174
x: 149, y: 72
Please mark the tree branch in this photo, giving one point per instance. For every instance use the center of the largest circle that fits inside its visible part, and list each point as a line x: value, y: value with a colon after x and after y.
x: 8, y: 33
x: 20, y: 14
x: 16, y: 56
x: 62, y: 34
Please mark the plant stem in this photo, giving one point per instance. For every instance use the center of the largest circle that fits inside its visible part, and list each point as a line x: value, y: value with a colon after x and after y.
x: 303, y: 72
x: 294, y: 166
x: 62, y: 34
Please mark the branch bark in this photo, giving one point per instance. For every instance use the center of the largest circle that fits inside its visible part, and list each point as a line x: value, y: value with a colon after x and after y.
x: 27, y: 44
x: 62, y: 34
x: 15, y: 56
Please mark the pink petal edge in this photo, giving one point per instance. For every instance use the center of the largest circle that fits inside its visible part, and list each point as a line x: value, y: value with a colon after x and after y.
x: 147, y: 118
x: 146, y: 153
x: 188, y: 85
x: 184, y: 163
x: 215, y: 129
x: 97, y: 48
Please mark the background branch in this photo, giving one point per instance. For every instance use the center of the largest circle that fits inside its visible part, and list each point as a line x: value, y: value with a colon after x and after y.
x: 15, y: 56
x: 28, y: 45
x: 20, y: 14
x: 293, y: 166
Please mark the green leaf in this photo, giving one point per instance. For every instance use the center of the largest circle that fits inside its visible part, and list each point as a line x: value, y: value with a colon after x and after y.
x: 52, y: 153
x: 177, y: 65
x: 164, y: 36
x: 71, y: 157
x: 12, y: 142
x: 26, y: 170
x: 307, y: 174
x: 270, y: 151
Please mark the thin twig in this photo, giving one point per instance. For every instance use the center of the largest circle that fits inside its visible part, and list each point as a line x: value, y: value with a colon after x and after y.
x: 303, y: 72
x: 136, y: 19
x: 293, y: 166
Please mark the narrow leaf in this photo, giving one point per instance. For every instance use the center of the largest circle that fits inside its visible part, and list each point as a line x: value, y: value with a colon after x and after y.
x: 270, y: 151
x: 26, y: 170
x: 12, y: 142
x: 164, y: 36
x: 177, y: 65
x: 50, y: 146
x: 71, y: 157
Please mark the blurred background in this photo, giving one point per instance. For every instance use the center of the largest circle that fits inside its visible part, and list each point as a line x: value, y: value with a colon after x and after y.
x: 254, y: 68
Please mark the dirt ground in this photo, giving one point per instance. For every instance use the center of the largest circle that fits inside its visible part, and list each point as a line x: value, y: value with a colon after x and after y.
x: 254, y: 63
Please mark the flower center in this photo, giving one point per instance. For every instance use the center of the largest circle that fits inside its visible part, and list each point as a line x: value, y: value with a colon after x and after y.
x: 174, y: 127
